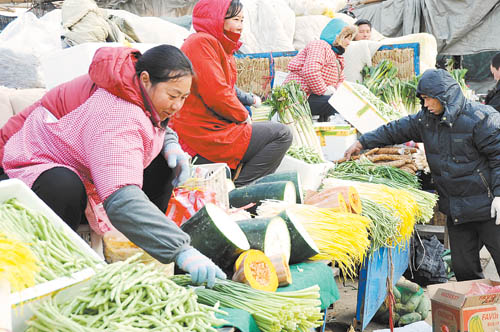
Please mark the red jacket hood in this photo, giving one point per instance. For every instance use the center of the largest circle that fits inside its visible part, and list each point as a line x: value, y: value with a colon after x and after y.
x: 113, y: 68
x: 208, y: 17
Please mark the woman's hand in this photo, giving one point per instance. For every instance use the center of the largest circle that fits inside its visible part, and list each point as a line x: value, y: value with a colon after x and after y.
x: 178, y: 160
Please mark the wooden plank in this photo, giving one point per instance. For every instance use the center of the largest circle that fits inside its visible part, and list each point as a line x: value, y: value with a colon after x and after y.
x: 439, y: 231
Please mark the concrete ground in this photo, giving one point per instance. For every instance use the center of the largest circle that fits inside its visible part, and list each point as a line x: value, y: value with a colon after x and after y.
x: 340, y: 318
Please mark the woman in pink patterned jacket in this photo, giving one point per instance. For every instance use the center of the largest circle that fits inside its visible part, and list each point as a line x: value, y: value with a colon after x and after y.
x: 319, y: 67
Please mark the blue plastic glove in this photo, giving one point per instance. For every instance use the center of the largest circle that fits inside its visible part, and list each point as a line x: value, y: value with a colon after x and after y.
x: 178, y: 160
x: 199, y: 267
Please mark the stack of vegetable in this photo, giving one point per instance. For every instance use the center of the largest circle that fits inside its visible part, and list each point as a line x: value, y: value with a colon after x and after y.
x: 400, y: 202
x: 342, y: 238
x: 272, y: 311
x: 412, y: 305
x: 398, y: 157
x: 290, y: 103
x: 305, y: 153
x: 364, y: 171
x: 399, y: 94
x: 56, y: 253
x: 127, y: 296
x: 387, y: 112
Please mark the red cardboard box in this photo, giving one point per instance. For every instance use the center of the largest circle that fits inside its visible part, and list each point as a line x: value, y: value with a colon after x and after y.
x: 455, y: 311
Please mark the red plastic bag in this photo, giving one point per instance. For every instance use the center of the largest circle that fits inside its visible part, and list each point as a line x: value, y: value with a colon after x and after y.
x: 184, y: 203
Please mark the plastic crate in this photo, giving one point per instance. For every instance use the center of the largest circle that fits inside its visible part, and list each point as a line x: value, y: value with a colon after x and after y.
x: 214, y: 178
x: 21, y: 312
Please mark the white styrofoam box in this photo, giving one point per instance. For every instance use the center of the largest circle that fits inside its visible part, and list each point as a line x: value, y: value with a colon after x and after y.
x: 66, y: 64
x: 356, y: 109
x: 334, y: 139
x: 21, y: 312
x: 311, y: 175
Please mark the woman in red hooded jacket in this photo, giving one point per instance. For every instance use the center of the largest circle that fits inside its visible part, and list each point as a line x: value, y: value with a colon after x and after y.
x: 102, y: 138
x: 213, y: 124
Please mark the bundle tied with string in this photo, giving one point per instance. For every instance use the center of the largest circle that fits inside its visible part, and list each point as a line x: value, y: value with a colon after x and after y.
x: 253, y: 75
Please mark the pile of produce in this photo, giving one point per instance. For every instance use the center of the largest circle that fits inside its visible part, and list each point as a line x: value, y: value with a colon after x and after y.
x: 397, y: 157
x: 17, y: 263
x: 342, y: 238
x: 411, y: 306
x: 384, y: 231
x: 290, y: 103
x: 127, y: 296
x: 273, y: 311
x: 400, y: 202
x: 387, y: 112
x: 365, y: 171
x: 56, y: 253
x: 305, y: 153
x: 339, y: 199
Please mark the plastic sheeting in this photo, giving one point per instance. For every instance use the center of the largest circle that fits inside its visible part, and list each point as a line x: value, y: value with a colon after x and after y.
x: 155, y: 8
x: 460, y: 27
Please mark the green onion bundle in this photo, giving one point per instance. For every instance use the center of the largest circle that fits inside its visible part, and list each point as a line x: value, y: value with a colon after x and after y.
x: 390, y: 176
x: 56, y: 253
x: 290, y: 103
x: 385, y: 229
x: 273, y: 311
x: 127, y: 296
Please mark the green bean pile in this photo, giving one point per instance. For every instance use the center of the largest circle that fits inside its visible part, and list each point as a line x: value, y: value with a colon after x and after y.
x: 273, y: 311
x: 127, y: 296
x: 56, y: 253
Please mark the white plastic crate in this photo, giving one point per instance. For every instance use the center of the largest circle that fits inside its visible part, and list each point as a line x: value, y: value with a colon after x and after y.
x: 334, y: 139
x: 311, y: 175
x: 356, y: 109
x: 21, y: 310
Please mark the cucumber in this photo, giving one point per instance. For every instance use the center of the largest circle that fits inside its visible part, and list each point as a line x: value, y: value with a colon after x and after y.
x: 286, y: 176
x: 255, y: 193
x: 303, y: 246
x: 424, y: 307
x: 269, y: 235
x: 216, y: 235
x: 397, y: 294
x: 409, y: 318
x: 412, y: 303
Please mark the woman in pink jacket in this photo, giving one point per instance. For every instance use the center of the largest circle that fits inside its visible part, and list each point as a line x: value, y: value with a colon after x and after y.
x: 103, y: 138
x: 319, y: 67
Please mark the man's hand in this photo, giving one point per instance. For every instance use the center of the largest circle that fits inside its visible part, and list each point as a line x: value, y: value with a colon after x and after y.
x: 495, y: 209
x: 199, y: 267
x: 354, y: 149
x: 178, y: 160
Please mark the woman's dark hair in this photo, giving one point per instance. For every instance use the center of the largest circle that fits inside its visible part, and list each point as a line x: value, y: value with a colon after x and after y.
x: 164, y: 63
x: 234, y: 9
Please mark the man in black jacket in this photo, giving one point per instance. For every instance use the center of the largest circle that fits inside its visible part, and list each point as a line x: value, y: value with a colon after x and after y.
x: 462, y: 143
x: 493, y: 97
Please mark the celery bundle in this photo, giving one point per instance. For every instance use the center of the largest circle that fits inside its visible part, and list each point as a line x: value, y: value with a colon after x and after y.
x: 290, y: 103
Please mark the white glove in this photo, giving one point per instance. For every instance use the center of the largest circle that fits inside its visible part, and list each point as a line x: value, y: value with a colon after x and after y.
x: 495, y: 209
x: 330, y: 91
x: 257, y: 102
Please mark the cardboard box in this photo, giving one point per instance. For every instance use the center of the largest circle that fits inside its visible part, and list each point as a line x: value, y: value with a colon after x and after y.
x: 334, y: 139
x: 455, y: 311
x: 362, y: 114
x: 21, y: 311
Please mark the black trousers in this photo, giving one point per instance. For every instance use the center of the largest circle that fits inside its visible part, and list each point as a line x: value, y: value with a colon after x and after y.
x: 63, y: 191
x: 268, y: 145
x: 466, y: 240
x: 320, y: 106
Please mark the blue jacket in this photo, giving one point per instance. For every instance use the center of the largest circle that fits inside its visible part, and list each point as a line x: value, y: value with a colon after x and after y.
x: 462, y: 146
